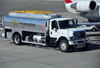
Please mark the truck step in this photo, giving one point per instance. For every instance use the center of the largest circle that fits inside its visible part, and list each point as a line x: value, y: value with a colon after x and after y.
x: 33, y: 43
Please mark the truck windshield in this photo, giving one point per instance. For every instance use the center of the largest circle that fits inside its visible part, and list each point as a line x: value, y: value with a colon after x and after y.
x: 66, y: 24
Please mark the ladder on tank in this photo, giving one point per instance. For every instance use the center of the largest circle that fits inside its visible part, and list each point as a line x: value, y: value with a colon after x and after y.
x: 1, y: 22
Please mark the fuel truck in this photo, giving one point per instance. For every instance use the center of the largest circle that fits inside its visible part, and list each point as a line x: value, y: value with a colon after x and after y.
x: 44, y: 28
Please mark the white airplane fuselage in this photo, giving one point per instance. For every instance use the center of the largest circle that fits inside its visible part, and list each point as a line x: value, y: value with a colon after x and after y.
x: 89, y: 9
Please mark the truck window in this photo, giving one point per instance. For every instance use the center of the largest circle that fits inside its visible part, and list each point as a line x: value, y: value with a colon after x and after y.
x: 67, y: 24
x: 54, y: 25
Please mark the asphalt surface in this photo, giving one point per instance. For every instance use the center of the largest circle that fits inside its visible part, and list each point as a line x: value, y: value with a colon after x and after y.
x: 26, y: 55
x: 29, y: 56
x: 43, y: 5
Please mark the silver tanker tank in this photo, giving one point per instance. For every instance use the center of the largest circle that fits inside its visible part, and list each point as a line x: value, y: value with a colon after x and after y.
x: 28, y: 20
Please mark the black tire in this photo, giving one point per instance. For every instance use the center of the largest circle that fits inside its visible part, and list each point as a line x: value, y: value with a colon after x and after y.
x: 93, y: 29
x: 17, y: 39
x: 63, y: 45
x: 86, y: 47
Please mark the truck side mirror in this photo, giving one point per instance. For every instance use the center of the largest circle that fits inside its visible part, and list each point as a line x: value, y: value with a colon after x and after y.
x: 76, y: 21
x: 76, y: 24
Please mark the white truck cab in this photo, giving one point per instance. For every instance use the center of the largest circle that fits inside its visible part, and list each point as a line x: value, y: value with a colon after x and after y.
x: 64, y: 32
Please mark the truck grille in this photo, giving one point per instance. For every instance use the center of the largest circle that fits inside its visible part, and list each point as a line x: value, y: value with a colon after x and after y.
x: 79, y: 35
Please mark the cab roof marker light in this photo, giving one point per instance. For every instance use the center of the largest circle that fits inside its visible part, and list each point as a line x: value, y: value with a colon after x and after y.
x: 56, y: 14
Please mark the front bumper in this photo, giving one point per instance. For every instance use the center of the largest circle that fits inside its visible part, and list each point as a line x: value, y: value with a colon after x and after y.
x: 75, y: 42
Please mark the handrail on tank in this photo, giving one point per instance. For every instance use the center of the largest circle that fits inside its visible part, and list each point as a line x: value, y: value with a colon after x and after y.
x: 33, y: 11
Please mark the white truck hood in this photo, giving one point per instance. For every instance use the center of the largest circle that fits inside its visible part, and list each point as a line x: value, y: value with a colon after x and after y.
x: 75, y: 29
x: 70, y: 31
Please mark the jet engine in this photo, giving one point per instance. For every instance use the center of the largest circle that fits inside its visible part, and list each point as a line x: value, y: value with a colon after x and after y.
x: 84, y: 6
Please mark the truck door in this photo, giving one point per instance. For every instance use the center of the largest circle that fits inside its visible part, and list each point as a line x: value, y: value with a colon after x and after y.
x: 54, y: 31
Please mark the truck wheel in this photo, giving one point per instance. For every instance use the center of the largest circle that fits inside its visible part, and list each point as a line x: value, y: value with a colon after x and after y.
x: 63, y: 45
x: 86, y: 46
x: 17, y: 39
x: 93, y: 29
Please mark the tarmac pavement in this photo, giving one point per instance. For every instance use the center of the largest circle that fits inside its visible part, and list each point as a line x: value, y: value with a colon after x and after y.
x: 28, y: 56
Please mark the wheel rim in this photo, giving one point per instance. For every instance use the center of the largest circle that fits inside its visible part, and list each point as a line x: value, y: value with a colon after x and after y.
x: 16, y: 40
x: 93, y: 29
x: 63, y: 46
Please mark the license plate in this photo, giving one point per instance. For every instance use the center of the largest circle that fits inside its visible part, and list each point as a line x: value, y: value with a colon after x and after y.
x: 80, y: 45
